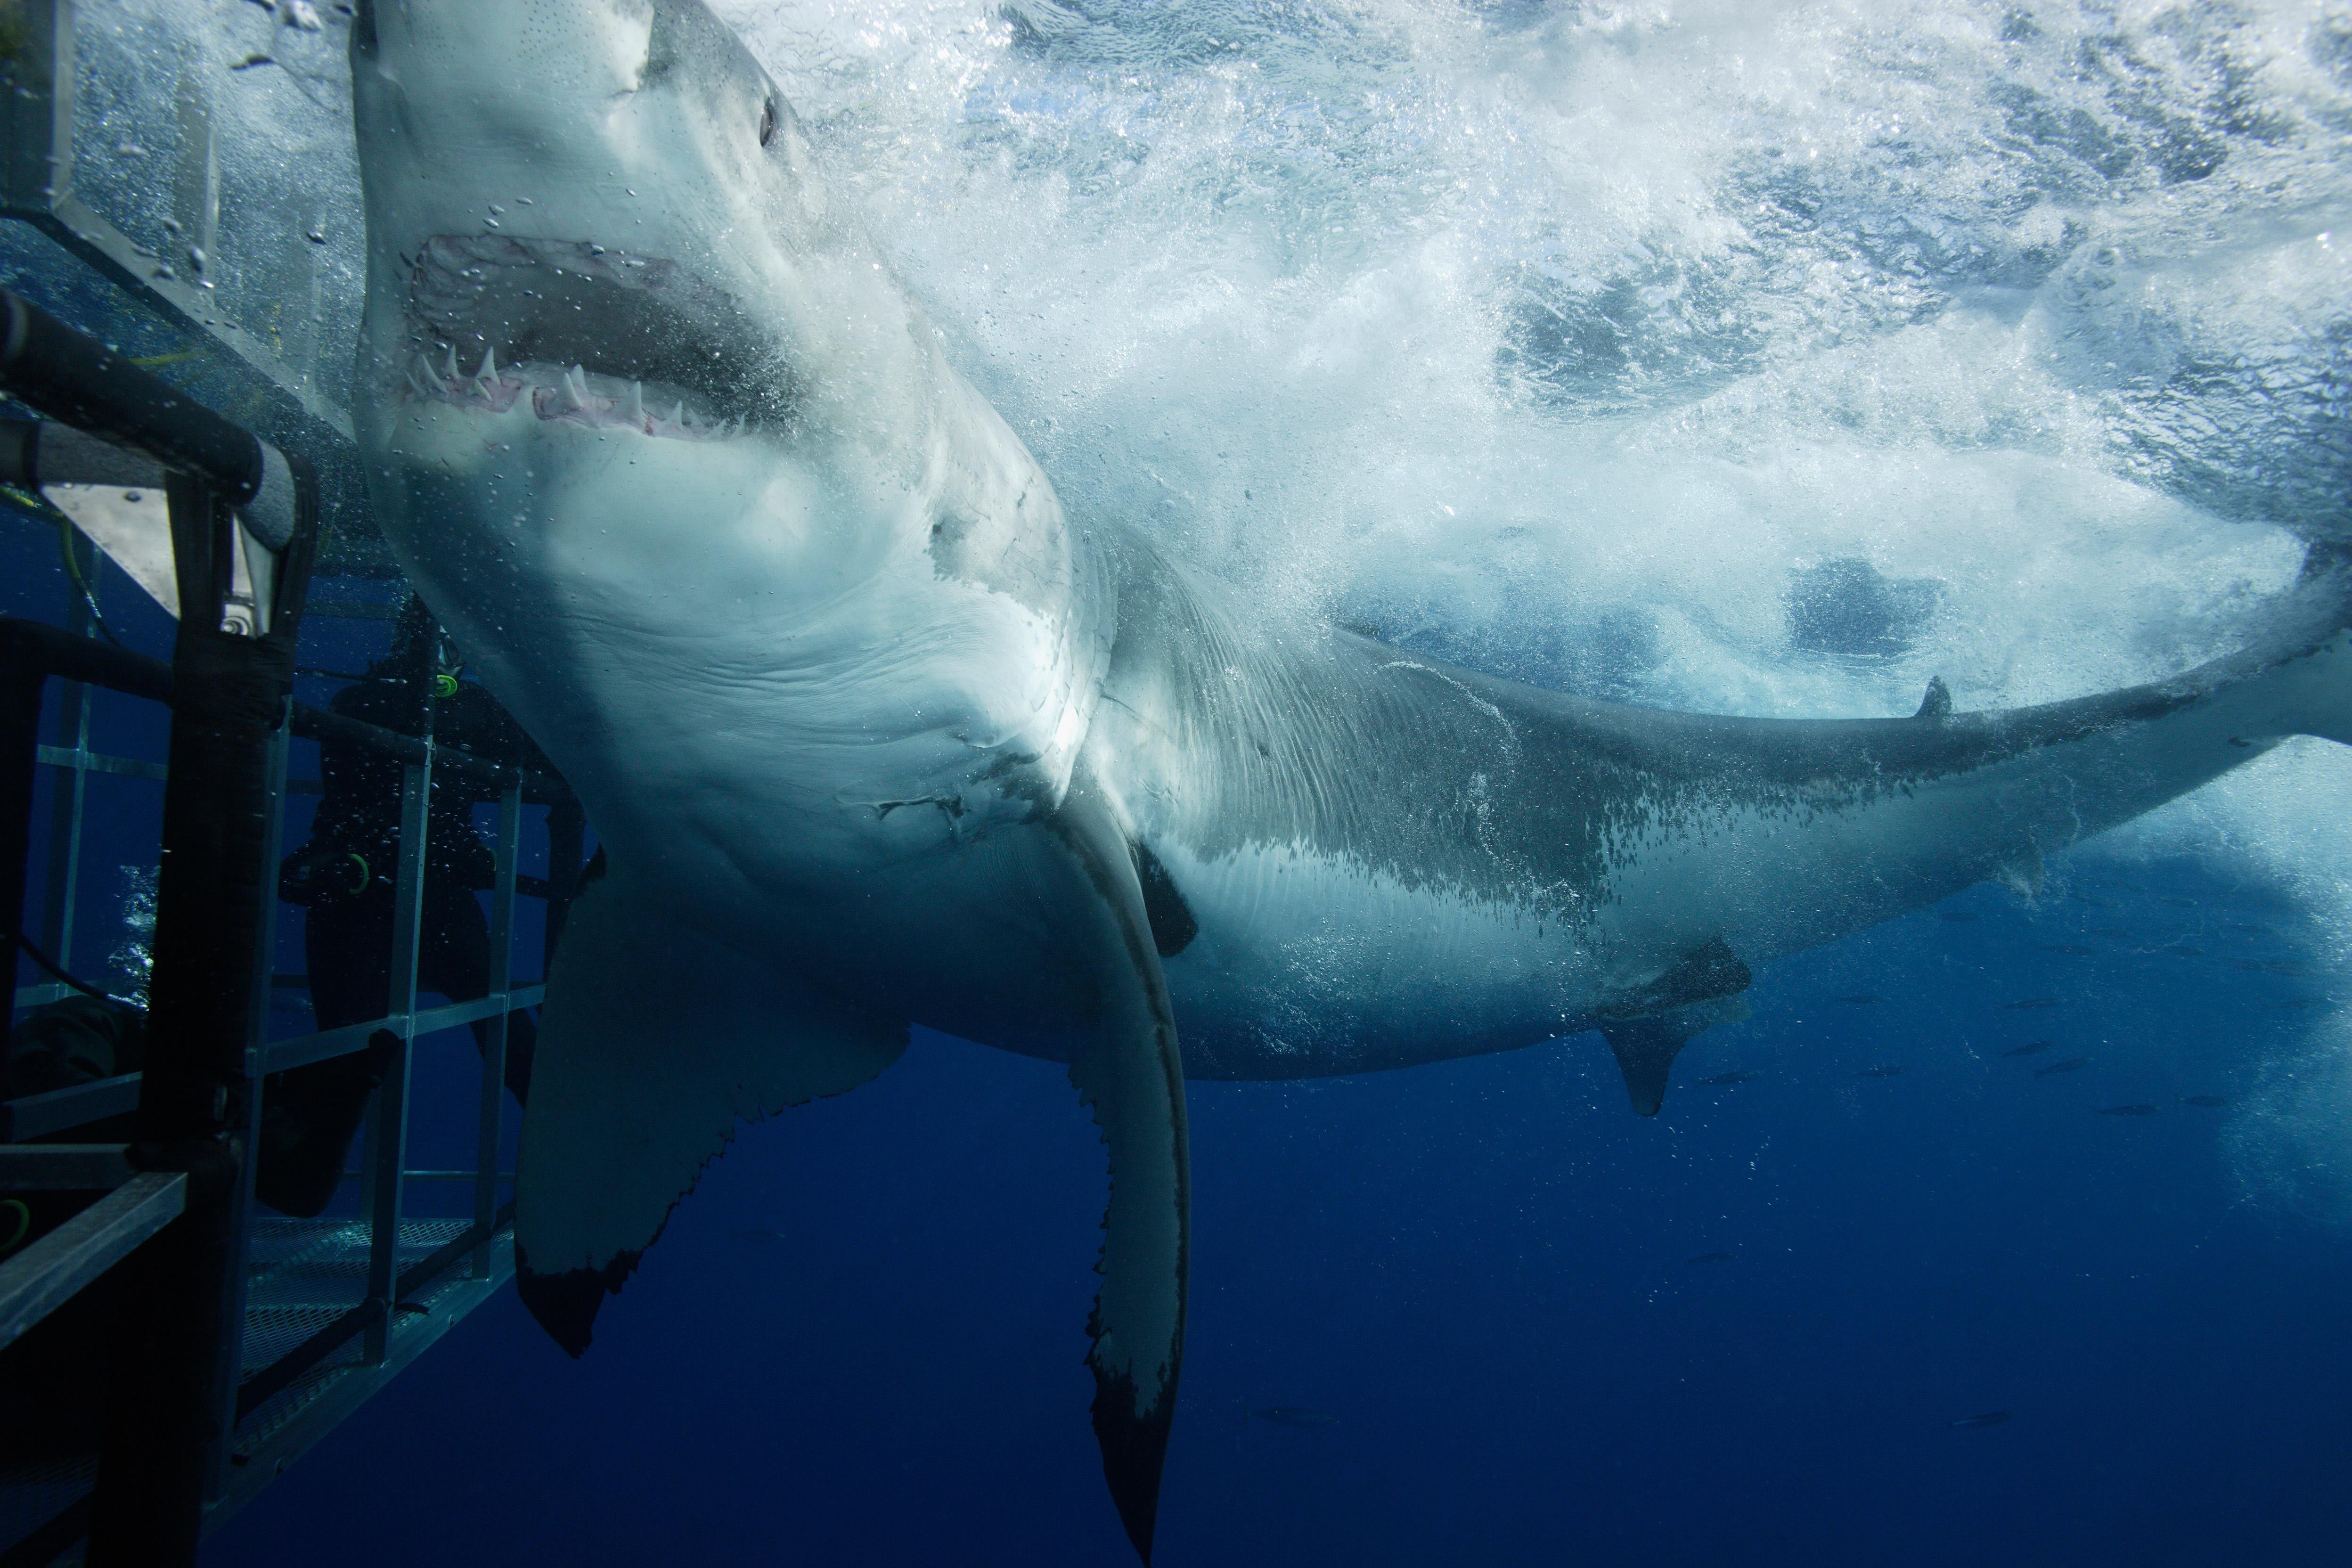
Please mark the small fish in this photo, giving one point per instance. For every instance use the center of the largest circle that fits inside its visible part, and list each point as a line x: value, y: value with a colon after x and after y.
x: 1892, y: 1069
x: 1710, y: 1257
x: 2178, y: 903
x: 1861, y: 999
x: 758, y: 1235
x: 1990, y: 1418
x: 1297, y: 1415
x: 2070, y: 949
x: 2115, y: 934
x: 2031, y: 1048
x: 2298, y: 1004
x: 2250, y: 930
x: 2072, y: 1064
x: 2031, y: 1004
x: 2209, y: 1101
x: 2183, y: 949
x: 2296, y: 967
x: 1726, y: 1079
x: 1956, y: 916
x: 2129, y: 1110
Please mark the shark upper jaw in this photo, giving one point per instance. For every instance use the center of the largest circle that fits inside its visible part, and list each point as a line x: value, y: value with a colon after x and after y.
x: 585, y: 333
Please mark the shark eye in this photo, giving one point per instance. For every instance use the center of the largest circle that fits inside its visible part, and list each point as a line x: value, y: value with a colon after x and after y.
x: 767, y: 122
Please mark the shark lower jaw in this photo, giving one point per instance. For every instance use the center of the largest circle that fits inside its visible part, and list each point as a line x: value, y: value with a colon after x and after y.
x: 580, y: 333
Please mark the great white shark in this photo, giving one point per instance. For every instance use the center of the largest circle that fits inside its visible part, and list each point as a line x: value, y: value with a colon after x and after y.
x: 873, y: 732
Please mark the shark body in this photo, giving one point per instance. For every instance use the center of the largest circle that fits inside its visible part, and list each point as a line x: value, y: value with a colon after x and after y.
x: 874, y: 733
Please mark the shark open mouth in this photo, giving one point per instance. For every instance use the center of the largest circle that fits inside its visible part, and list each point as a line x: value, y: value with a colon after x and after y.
x: 585, y: 334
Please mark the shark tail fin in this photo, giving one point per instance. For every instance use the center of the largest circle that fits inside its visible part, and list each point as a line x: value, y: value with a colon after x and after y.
x: 2312, y: 691
x: 2306, y: 687
x: 653, y: 1045
x: 2325, y: 689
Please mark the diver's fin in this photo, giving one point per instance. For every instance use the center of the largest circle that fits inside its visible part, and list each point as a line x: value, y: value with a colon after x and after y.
x: 1646, y: 1027
x: 1128, y: 1069
x: 652, y: 1045
x: 1938, y: 703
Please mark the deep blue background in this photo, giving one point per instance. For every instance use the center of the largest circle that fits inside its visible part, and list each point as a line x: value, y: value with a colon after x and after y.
x: 1481, y: 1269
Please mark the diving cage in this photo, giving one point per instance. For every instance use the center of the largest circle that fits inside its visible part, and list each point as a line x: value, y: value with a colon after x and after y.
x: 182, y: 268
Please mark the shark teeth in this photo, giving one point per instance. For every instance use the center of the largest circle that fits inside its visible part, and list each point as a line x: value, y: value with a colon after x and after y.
x: 556, y: 391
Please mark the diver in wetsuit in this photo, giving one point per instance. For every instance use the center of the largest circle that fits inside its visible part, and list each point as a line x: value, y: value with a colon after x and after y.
x: 345, y: 875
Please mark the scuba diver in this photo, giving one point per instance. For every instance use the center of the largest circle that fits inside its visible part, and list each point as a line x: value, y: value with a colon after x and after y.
x: 344, y: 875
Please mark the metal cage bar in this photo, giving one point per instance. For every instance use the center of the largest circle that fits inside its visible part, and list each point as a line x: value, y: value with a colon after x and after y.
x: 265, y: 1415
x: 398, y: 1329
x: 387, y: 1154
x: 230, y: 1360
x: 36, y: 185
x: 494, y: 1054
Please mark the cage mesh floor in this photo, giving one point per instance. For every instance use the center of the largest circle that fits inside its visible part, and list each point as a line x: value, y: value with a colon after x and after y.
x: 304, y: 1274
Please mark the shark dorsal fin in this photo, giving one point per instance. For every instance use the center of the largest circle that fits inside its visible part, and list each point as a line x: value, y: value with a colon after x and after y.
x: 1938, y: 703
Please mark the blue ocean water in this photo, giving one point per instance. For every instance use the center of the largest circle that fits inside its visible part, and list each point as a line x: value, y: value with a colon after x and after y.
x: 1760, y: 361
x: 860, y: 1341
x: 1486, y: 1272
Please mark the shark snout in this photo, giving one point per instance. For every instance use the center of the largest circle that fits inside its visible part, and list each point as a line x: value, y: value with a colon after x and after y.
x: 589, y: 48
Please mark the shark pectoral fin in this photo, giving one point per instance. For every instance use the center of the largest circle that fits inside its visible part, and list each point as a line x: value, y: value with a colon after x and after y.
x: 1129, y: 1071
x: 1646, y: 1028
x: 652, y: 1046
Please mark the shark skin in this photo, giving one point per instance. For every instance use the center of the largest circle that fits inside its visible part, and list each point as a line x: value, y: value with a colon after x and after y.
x: 874, y: 733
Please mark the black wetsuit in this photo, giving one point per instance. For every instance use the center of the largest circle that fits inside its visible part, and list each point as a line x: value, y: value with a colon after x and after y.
x: 345, y: 874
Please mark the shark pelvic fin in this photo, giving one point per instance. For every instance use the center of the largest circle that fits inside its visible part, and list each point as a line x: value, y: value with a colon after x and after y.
x: 1128, y: 1069
x: 1645, y: 1049
x: 1648, y: 1026
x: 653, y: 1045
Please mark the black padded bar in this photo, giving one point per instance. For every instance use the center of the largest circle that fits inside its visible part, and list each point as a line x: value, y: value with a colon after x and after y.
x: 37, y: 452
x: 71, y: 376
